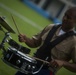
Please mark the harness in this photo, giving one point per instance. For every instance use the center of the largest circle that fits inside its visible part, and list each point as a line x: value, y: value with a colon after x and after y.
x: 45, y: 50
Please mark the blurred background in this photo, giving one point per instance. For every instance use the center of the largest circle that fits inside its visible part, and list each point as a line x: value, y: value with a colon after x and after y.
x: 30, y: 16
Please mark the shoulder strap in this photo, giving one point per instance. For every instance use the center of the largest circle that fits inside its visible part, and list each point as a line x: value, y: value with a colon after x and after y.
x: 49, y: 37
x: 57, y: 41
x: 45, y: 49
x: 42, y: 50
x: 60, y: 39
x: 51, y: 33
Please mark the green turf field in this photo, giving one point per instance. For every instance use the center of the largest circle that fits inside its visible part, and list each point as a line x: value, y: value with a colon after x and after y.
x: 28, y: 21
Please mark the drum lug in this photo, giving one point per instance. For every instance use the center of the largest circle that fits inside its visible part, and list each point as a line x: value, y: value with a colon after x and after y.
x: 18, y: 62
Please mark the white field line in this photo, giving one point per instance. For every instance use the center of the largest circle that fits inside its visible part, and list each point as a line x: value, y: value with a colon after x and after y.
x: 20, y: 16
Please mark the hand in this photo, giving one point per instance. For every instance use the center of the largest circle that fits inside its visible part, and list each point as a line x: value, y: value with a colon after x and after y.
x: 56, y: 63
x: 22, y: 38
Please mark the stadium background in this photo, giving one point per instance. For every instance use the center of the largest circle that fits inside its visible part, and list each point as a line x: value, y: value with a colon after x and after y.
x: 28, y: 21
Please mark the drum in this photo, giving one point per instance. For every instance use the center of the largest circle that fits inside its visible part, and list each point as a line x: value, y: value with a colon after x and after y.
x: 19, y: 60
x: 19, y: 47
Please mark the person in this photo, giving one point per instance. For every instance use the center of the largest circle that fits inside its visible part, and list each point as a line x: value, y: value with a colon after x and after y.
x: 62, y: 54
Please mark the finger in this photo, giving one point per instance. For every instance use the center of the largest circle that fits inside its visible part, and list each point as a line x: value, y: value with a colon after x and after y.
x: 54, y: 63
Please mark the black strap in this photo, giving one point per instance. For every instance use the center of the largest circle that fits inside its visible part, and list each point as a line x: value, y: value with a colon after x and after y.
x: 57, y: 41
x: 51, y: 33
x: 45, y: 49
x: 60, y: 39
x: 41, y: 51
x: 49, y: 37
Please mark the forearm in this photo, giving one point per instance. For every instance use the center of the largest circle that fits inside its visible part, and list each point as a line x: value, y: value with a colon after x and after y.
x: 70, y: 66
x: 32, y: 42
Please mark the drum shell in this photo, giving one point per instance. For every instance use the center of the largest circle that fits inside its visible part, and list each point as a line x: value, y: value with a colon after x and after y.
x: 12, y: 58
x: 19, y: 62
x: 19, y: 47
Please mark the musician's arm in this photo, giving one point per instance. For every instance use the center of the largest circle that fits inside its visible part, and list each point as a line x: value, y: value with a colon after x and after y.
x: 70, y: 66
x: 60, y: 63
x: 31, y: 42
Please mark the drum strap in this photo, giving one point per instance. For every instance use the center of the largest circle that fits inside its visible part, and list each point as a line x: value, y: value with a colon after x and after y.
x: 42, y: 50
x: 46, y: 48
x: 60, y: 39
